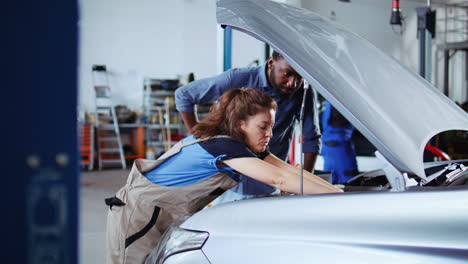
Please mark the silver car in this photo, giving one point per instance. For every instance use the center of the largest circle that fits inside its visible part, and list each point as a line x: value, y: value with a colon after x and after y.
x: 397, y: 111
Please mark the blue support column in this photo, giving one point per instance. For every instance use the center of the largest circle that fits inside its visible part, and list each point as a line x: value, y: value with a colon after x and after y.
x: 227, y: 48
x: 39, y: 132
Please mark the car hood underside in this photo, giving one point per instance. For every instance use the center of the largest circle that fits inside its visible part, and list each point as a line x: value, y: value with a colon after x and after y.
x: 396, y: 109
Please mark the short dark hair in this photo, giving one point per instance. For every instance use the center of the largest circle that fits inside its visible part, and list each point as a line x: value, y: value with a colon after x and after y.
x: 233, y: 106
x: 276, y: 56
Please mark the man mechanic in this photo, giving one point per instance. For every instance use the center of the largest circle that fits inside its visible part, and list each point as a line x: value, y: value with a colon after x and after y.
x: 280, y: 81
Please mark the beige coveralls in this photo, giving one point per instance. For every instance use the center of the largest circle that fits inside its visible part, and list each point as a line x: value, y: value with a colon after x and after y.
x: 141, y: 211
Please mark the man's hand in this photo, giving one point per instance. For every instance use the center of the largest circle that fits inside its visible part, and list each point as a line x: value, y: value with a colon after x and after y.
x: 190, y: 120
x: 309, y: 161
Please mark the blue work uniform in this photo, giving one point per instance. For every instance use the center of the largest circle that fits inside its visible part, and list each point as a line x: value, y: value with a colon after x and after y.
x: 199, y: 161
x: 205, y: 91
x: 338, y: 149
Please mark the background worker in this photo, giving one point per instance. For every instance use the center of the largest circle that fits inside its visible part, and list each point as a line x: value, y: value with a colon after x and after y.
x: 280, y: 81
x: 233, y: 137
x: 338, y: 147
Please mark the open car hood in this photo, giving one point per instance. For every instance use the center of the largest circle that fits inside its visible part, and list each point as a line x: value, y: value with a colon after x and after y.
x: 396, y: 109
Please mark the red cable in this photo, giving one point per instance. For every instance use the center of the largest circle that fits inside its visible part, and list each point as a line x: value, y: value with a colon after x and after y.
x: 437, y: 152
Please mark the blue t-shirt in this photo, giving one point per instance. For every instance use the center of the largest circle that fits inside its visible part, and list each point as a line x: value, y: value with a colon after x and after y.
x: 199, y: 161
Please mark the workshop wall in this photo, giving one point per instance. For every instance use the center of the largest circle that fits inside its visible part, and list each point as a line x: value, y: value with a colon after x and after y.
x: 170, y: 38
x: 157, y: 39
x: 370, y: 20
x: 246, y: 50
x: 144, y: 38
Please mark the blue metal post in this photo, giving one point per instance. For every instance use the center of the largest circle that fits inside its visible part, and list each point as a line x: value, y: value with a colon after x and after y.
x: 227, y: 48
x: 39, y: 106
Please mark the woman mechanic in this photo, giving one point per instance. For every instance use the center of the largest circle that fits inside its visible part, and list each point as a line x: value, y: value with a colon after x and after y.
x: 232, y: 138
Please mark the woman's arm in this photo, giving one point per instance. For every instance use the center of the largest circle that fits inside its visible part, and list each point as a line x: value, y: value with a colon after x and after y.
x: 275, y: 161
x: 281, y: 177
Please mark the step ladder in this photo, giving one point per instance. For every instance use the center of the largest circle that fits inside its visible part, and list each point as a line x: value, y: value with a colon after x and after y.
x: 109, y: 144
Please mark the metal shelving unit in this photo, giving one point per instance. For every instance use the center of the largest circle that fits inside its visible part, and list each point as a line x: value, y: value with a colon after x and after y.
x: 163, y: 120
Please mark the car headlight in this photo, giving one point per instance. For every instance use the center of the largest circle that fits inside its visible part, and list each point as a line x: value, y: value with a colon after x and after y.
x: 176, y: 240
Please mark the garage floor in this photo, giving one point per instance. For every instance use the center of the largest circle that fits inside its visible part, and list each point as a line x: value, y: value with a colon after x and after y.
x: 95, y: 187
x: 98, y: 185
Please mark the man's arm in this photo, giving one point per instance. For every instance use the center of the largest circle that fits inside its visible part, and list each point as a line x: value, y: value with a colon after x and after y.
x: 309, y: 161
x: 190, y: 120
x: 202, y: 91
x: 312, y: 142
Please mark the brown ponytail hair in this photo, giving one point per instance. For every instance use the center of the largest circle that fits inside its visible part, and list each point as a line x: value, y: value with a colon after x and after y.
x: 233, y: 106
